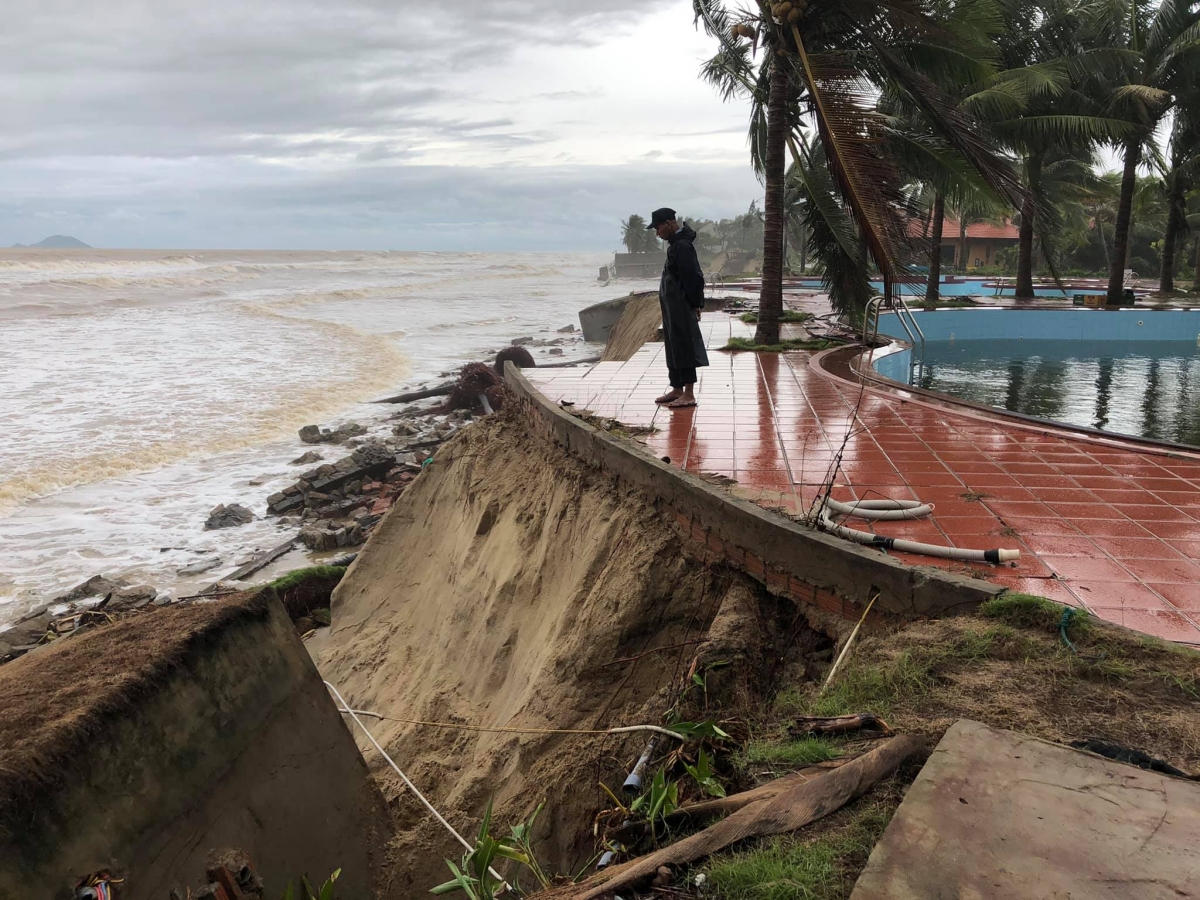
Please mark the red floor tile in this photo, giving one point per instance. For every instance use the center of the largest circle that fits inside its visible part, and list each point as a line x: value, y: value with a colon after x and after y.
x: 1182, y: 531
x: 1110, y: 528
x: 1122, y: 548
x: 1113, y: 594
x: 1059, y: 545
x: 1087, y: 568
x: 1189, y: 549
x: 1184, y: 597
x: 1176, y: 571
x: 1166, y: 624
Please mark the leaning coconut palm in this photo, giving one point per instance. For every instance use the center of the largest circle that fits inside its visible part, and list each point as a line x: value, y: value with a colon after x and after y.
x: 1161, y: 49
x: 827, y: 61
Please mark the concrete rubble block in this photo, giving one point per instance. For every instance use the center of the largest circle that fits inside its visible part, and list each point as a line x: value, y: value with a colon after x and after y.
x: 132, y: 597
x: 200, y: 566
x: 308, y: 458
x: 230, y: 516
x: 96, y: 586
x: 1000, y: 814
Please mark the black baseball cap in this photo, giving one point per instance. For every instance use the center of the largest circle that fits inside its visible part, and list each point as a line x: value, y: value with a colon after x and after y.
x: 666, y: 214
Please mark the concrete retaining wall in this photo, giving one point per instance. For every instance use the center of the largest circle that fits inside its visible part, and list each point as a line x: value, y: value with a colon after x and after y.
x: 805, y: 565
x: 233, y: 741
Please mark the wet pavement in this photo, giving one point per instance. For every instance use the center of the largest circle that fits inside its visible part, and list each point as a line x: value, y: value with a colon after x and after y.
x: 1104, y: 524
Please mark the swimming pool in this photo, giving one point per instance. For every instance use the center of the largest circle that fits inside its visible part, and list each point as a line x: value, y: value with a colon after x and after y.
x: 1132, y: 372
x: 958, y: 287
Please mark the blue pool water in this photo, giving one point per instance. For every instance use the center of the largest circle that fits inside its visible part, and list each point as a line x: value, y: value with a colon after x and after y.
x: 968, y: 287
x: 1129, y: 371
x: 1148, y: 389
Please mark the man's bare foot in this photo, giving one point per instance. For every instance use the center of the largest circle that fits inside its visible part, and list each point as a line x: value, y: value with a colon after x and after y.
x: 682, y: 402
x: 669, y: 396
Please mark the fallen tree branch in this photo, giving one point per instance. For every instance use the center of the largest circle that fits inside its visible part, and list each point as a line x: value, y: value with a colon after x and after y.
x: 438, y: 391
x: 804, y: 803
x: 710, y: 809
x: 838, y: 724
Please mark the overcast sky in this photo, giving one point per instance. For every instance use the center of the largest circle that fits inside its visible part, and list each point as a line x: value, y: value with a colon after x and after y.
x: 389, y: 124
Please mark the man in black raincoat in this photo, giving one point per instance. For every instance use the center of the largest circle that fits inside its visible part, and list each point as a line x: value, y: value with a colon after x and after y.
x: 681, y: 298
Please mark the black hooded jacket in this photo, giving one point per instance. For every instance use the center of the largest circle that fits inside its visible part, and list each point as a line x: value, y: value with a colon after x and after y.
x: 680, y: 294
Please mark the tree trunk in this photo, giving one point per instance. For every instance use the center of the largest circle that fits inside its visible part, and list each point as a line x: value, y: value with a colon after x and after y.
x: 962, y: 243
x: 1116, y: 274
x: 770, y: 302
x: 935, y: 249
x: 1033, y: 167
x: 1175, y: 226
x: 804, y: 250
x: 1196, y: 275
x: 1103, y: 244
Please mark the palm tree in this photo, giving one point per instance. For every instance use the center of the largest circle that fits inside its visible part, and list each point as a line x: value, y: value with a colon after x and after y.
x: 1043, y: 106
x: 828, y: 62
x: 935, y: 249
x: 634, y: 234
x: 1162, y: 49
x: 1179, y: 181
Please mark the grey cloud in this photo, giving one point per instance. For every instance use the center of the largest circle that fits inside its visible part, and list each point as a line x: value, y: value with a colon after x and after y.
x: 128, y: 78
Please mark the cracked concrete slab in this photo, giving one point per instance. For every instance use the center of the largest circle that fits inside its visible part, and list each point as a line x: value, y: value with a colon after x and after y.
x: 999, y: 814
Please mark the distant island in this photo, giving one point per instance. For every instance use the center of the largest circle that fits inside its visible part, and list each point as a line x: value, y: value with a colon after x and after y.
x: 58, y: 242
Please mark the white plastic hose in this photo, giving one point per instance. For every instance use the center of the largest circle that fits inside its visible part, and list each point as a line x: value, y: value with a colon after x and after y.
x: 881, y: 509
x: 901, y: 509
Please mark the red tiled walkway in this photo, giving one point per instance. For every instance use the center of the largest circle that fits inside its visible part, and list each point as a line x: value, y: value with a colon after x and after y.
x: 1114, y: 529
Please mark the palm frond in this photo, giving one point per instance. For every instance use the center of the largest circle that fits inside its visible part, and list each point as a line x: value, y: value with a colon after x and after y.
x: 849, y: 128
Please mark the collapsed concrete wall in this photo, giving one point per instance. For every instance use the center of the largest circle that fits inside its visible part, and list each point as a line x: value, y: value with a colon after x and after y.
x: 516, y: 588
x: 143, y: 745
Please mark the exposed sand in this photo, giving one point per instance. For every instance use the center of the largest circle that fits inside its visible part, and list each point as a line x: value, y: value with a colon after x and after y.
x: 499, y: 592
x: 639, y: 324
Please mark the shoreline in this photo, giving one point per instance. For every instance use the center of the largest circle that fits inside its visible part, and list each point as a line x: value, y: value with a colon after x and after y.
x: 194, y: 567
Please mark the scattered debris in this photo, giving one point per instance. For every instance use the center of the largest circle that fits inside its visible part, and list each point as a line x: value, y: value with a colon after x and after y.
x: 230, y: 516
x: 313, y: 434
x: 802, y: 803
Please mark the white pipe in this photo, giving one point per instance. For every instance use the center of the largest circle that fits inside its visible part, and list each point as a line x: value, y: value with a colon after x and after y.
x: 881, y: 510
x: 886, y: 543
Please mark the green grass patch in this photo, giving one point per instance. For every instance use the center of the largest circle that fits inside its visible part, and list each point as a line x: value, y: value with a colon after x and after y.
x: 1028, y: 611
x: 787, y: 868
x: 743, y: 344
x: 298, y: 577
x: 802, y: 752
x: 788, y: 315
x: 873, y: 688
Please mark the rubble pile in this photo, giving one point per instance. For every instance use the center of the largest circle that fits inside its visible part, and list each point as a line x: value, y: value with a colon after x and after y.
x: 339, y: 503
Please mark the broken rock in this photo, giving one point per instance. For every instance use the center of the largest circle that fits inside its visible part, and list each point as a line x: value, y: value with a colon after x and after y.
x: 96, y: 586
x: 308, y: 458
x: 201, y: 566
x: 229, y: 516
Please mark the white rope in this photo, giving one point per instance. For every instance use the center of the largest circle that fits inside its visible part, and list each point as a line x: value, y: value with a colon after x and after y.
x: 345, y: 707
x: 625, y: 729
